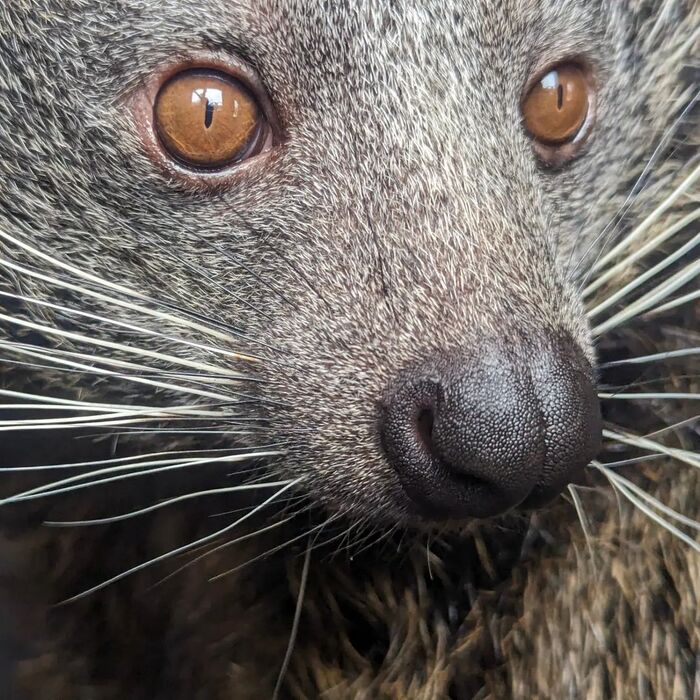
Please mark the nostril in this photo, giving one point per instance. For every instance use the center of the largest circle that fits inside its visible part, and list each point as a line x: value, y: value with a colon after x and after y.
x: 424, y: 424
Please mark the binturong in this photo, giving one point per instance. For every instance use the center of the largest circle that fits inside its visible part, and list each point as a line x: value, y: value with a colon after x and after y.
x: 338, y: 274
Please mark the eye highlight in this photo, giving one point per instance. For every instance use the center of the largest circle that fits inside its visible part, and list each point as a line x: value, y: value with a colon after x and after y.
x: 208, y: 120
x: 557, y: 111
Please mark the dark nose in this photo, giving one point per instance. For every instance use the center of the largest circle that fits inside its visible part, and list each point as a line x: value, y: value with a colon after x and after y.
x: 479, y: 435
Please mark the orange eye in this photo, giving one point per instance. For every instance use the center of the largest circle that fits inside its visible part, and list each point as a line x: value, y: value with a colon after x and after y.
x: 207, y: 120
x: 556, y: 108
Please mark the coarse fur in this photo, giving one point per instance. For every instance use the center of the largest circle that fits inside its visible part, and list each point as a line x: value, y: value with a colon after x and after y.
x: 402, y: 215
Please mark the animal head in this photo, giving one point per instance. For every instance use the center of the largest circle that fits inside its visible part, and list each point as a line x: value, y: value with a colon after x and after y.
x: 382, y: 279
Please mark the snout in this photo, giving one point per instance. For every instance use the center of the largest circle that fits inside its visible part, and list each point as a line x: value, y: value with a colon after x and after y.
x: 479, y: 434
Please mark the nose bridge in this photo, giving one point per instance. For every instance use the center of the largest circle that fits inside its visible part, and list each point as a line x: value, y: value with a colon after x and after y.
x: 457, y: 227
x: 470, y: 284
x: 453, y: 207
x: 443, y: 212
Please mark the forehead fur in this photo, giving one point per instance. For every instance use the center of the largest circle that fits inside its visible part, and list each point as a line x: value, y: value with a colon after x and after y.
x: 404, y: 213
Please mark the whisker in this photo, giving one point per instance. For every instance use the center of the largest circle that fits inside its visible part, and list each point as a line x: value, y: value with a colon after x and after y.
x: 53, y: 489
x: 129, y: 349
x: 55, y: 402
x: 651, y: 298
x: 632, y: 460
x: 654, y: 396
x: 643, y: 277
x: 209, y: 330
x: 183, y: 548
x: 640, y: 253
x: 674, y: 303
x: 616, y: 388
x: 368, y: 541
x: 608, y: 231
x: 341, y: 535
x: 657, y: 357
x: 295, y: 623
x: 218, y: 548
x: 638, y: 503
x: 583, y: 519
x: 59, y: 357
x: 115, y: 420
x: 133, y: 327
x: 651, y: 219
x: 195, y: 378
x: 199, y: 432
x: 115, y: 460
x: 272, y: 550
x: 656, y: 503
x: 674, y: 426
x: 635, y: 441
x: 166, y: 503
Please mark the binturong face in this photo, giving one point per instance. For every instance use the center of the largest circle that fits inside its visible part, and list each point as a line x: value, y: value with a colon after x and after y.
x: 352, y: 234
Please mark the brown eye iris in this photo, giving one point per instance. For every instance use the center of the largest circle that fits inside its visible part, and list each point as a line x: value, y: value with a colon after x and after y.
x: 208, y: 120
x: 556, y: 107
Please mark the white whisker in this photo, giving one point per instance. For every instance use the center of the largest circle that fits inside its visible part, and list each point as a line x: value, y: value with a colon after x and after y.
x: 651, y: 219
x: 56, y: 487
x: 657, y: 357
x: 583, y: 519
x: 60, y: 358
x: 217, y: 548
x: 632, y: 460
x: 655, y: 502
x: 183, y: 548
x: 675, y: 426
x: 635, y: 192
x: 655, y: 396
x: 684, y: 456
x: 651, y: 245
x: 109, y: 421
x: 133, y: 327
x: 651, y: 298
x: 643, y: 277
x: 674, y: 303
x: 228, y: 432
x: 117, y: 460
x: 295, y: 623
x: 639, y: 503
x: 129, y: 349
x: 275, y: 549
x: 87, y: 276
x: 168, y: 502
x: 117, y: 410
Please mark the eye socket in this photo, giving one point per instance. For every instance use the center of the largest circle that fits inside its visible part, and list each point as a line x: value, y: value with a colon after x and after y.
x: 208, y: 120
x: 557, y: 108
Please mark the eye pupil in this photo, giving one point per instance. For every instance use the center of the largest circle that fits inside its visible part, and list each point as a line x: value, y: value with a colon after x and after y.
x: 555, y: 109
x: 208, y: 115
x: 208, y: 120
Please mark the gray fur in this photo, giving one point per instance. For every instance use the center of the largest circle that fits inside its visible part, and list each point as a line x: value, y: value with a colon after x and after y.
x: 403, y: 214
x: 388, y: 121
